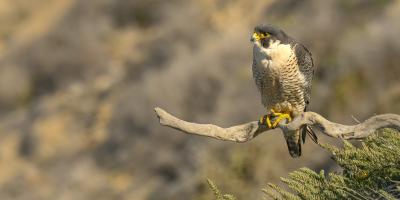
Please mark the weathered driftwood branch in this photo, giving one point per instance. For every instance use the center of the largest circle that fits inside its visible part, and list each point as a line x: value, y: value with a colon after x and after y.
x: 247, y: 131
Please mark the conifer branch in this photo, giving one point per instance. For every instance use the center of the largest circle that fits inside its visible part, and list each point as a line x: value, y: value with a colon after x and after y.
x: 247, y: 131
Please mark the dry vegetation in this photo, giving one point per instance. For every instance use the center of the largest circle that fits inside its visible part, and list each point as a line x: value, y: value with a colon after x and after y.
x: 79, y: 80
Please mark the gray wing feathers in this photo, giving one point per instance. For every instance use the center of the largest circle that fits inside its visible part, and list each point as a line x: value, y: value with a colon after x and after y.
x: 306, y: 66
x: 257, y: 75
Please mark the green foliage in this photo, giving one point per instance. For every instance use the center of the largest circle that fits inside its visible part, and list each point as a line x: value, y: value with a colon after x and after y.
x: 218, y: 193
x: 369, y: 172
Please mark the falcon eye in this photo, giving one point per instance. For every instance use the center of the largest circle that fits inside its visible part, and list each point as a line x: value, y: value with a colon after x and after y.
x: 264, y: 35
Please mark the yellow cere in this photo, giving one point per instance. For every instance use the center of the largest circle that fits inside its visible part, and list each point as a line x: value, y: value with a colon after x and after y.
x: 259, y: 36
x: 256, y: 36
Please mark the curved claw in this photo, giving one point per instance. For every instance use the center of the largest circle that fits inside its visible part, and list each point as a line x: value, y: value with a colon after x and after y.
x: 266, y: 119
x: 281, y: 116
x: 269, y: 122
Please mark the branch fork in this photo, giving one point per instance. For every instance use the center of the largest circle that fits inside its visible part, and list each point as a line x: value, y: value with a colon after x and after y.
x: 248, y: 131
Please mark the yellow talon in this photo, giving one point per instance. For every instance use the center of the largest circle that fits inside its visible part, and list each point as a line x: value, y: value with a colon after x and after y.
x: 281, y: 116
x: 269, y: 122
x: 266, y: 119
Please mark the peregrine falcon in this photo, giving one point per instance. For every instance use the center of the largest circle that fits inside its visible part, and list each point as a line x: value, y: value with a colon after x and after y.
x: 282, y: 69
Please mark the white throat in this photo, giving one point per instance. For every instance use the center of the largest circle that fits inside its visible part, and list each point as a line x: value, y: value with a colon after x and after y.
x: 275, y: 55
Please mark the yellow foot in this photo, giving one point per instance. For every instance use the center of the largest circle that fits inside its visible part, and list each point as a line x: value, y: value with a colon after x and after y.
x: 266, y: 119
x: 280, y: 117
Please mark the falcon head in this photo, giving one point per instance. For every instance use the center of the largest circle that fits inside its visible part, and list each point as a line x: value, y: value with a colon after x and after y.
x: 266, y: 34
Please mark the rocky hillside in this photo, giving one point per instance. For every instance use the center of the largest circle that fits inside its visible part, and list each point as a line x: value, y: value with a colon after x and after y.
x: 79, y: 81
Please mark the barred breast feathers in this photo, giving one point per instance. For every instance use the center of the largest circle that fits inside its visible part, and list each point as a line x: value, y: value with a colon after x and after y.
x: 277, y: 76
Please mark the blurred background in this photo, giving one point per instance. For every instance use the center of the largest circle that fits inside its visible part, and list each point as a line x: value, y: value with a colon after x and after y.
x: 79, y: 81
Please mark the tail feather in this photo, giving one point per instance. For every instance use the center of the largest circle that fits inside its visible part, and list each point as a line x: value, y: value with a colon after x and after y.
x: 303, y: 133
x: 307, y: 130
x: 311, y: 134
x: 294, y: 138
x: 293, y: 141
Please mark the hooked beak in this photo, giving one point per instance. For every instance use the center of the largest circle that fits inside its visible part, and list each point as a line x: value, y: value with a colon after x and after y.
x: 255, y: 37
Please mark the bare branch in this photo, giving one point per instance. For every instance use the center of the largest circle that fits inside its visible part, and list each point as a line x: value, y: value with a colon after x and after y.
x: 336, y: 130
x: 239, y: 133
x: 247, y: 131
